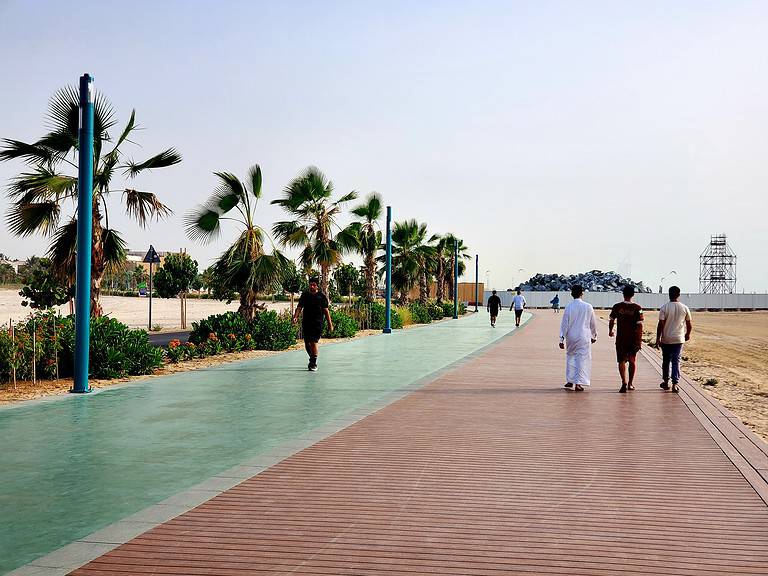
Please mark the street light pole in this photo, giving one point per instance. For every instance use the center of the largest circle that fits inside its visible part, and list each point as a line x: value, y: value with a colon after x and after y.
x: 455, y: 279
x: 388, y: 285
x: 477, y: 279
x: 84, y: 237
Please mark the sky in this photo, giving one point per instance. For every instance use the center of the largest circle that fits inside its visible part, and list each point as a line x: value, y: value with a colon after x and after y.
x: 553, y: 137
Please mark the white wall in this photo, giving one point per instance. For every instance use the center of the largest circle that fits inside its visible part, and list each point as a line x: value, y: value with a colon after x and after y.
x: 648, y: 301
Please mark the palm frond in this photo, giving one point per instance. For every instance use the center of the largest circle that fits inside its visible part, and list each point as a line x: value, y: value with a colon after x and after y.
x: 254, y: 180
x: 33, y: 153
x: 33, y: 218
x: 348, y: 197
x: 114, y: 247
x: 370, y: 210
x: 130, y: 127
x: 203, y: 224
x: 144, y: 205
x: 349, y: 238
x: 291, y: 233
x: 62, y: 250
x: 166, y: 158
x: 42, y: 184
x: 224, y: 199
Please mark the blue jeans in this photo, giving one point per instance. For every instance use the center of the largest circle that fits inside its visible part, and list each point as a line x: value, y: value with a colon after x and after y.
x: 670, y: 353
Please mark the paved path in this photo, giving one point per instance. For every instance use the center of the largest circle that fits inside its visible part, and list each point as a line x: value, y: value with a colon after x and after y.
x: 72, y: 465
x: 492, y: 469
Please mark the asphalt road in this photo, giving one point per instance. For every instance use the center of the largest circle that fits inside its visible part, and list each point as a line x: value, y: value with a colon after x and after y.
x: 164, y: 338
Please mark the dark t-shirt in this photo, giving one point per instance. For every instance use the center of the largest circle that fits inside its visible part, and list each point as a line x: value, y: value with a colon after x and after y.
x: 494, y: 303
x: 312, y: 308
x: 629, y: 328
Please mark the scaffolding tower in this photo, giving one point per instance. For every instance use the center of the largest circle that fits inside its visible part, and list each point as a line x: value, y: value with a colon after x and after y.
x: 717, y: 267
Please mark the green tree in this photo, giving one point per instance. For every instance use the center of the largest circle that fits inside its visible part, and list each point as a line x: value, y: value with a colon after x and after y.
x: 347, y: 279
x: 308, y: 199
x: 43, y: 289
x: 245, y: 266
x: 175, y: 276
x: 367, y: 238
x: 445, y: 249
x: 139, y: 276
x: 39, y: 194
x: 7, y: 274
x: 410, y: 251
x: 293, y: 281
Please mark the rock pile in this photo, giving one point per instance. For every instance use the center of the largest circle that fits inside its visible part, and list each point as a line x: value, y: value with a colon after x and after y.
x: 594, y: 281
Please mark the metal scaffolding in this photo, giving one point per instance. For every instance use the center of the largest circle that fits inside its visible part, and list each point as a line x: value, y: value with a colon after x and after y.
x: 717, y: 267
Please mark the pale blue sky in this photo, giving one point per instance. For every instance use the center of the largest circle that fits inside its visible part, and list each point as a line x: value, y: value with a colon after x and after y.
x: 552, y: 136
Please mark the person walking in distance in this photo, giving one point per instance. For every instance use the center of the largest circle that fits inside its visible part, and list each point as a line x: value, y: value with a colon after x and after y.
x: 627, y: 316
x: 555, y: 304
x: 493, y: 305
x: 518, y: 304
x: 313, y: 307
x: 673, y: 330
x: 578, y: 331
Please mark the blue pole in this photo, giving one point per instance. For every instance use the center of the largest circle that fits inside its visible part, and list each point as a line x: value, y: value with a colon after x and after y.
x: 455, y: 279
x: 84, y: 236
x: 388, y: 286
x: 477, y: 281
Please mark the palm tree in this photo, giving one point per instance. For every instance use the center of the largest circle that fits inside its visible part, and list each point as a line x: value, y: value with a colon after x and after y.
x: 448, y: 248
x: 367, y: 238
x: 308, y: 199
x: 50, y: 182
x: 410, y: 252
x: 245, y: 266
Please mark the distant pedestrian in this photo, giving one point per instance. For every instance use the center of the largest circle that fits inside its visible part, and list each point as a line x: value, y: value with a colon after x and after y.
x: 627, y: 316
x: 518, y: 304
x: 493, y: 305
x: 313, y: 307
x: 555, y: 304
x: 673, y: 330
x: 578, y: 331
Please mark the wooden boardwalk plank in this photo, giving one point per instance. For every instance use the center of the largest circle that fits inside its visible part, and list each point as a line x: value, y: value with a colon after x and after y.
x: 492, y: 469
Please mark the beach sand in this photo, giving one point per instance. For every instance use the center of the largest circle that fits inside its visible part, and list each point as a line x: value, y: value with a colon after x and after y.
x: 134, y: 312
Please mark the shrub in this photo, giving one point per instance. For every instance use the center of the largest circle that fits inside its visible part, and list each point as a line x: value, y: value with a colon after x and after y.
x: 435, y: 311
x: 404, y: 315
x: 273, y: 331
x: 448, y: 309
x: 344, y: 326
x: 219, y: 324
x: 419, y: 313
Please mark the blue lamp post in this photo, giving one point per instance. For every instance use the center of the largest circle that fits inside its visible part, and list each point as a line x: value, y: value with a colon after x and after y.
x: 455, y: 279
x: 388, y: 285
x: 84, y: 236
x: 477, y: 280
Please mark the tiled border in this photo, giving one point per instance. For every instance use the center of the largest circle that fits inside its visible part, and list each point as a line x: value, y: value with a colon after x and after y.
x: 66, y: 559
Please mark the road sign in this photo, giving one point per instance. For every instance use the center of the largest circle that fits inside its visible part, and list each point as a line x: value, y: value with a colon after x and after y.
x: 152, y: 257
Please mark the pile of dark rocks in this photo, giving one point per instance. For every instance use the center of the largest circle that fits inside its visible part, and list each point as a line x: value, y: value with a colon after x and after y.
x: 594, y: 281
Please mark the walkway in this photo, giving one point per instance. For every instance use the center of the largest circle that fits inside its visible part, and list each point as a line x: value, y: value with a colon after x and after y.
x: 491, y: 469
x: 72, y: 465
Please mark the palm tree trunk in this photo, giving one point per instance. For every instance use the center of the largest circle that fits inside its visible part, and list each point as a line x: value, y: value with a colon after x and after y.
x: 423, y: 292
x: 97, y: 264
x: 370, y: 276
x: 324, y: 273
x: 247, y: 304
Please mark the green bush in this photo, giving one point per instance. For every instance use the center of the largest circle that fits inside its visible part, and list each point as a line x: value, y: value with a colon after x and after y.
x: 344, y: 326
x: 273, y: 331
x: 435, y: 311
x: 115, y: 350
x: 267, y: 331
x: 419, y: 313
x: 448, y: 309
x: 372, y: 316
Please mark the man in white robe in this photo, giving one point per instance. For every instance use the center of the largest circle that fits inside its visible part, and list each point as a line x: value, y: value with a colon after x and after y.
x: 578, y: 331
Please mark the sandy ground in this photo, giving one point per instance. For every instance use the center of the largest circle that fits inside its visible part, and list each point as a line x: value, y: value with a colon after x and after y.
x: 134, y: 311
x: 730, y: 348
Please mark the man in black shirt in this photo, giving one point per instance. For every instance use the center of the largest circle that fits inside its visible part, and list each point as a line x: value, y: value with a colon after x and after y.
x: 314, y: 305
x: 493, y: 305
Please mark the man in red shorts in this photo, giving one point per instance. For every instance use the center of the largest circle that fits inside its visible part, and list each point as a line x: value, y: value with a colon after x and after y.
x: 628, y: 318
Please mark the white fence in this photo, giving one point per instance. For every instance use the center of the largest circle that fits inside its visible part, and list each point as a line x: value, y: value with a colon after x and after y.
x: 647, y: 301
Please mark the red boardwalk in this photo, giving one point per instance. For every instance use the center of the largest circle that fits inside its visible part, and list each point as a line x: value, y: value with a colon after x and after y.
x: 493, y: 469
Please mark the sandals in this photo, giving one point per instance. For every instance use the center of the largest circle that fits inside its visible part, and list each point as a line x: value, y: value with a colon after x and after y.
x: 630, y: 386
x: 675, y: 388
x: 579, y: 388
x: 664, y: 386
x: 568, y: 385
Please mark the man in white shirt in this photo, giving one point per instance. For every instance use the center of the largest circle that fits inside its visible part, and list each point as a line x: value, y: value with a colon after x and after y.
x: 518, y: 304
x: 673, y: 330
x: 578, y: 331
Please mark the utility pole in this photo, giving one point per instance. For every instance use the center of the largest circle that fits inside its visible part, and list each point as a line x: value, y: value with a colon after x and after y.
x: 388, y: 285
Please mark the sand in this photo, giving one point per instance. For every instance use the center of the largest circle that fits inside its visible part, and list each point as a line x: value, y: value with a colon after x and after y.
x: 728, y: 350
x: 134, y: 312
